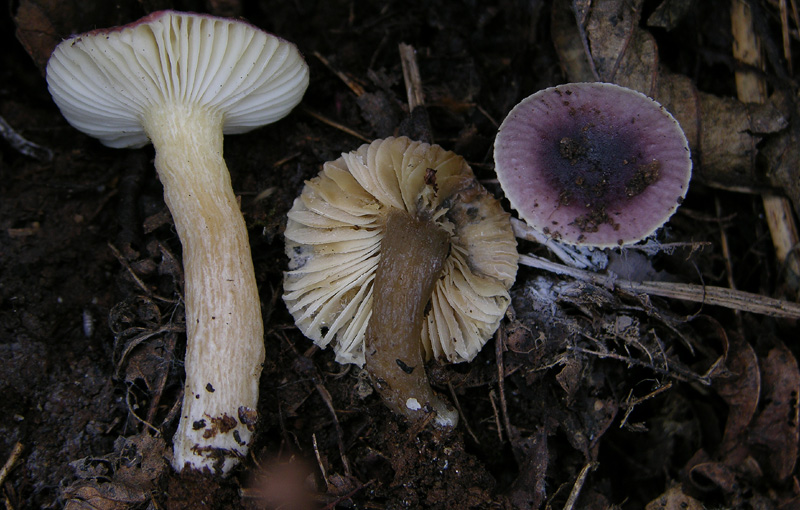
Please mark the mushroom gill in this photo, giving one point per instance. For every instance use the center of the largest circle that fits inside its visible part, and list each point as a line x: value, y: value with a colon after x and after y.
x: 398, y: 255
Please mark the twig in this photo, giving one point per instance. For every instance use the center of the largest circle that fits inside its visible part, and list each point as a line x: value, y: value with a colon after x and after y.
x: 122, y: 260
x: 128, y: 267
x: 319, y: 462
x: 326, y: 397
x: 499, y: 343
x: 723, y: 239
x: 357, y: 89
x: 285, y: 160
x: 726, y: 256
x: 411, y: 76
x: 461, y: 412
x: 133, y: 413
x: 334, y: 124
x: 16, y: 452
x: 671, y: 371
x: 22, y: 145
x: 174, y: 410
x: 631, y: 403
x: 576, y: 488
x: 787, y: 43
x: 496, y: 416
x: 716, y: 296
x: 142, y: 337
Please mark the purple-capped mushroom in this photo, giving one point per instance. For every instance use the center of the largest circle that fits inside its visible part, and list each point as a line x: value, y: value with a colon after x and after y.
x: 592, y: 164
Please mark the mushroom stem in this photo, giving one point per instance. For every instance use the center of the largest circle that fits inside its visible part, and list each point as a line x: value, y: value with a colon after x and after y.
x: 225, y: 346
x: 412, y: 257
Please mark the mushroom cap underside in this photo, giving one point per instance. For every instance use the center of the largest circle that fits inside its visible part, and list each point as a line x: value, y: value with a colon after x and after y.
x: 592, y: 163
x: 333, y: 238
x: 105, y: 81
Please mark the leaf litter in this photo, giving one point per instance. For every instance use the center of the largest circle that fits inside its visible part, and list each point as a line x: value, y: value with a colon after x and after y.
x: 601, y: 390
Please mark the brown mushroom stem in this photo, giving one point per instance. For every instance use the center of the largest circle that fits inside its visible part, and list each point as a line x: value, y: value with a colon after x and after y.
x: 225, y: 348
x: 412, y: 257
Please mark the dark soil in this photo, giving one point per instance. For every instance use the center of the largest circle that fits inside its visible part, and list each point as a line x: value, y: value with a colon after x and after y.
x: 588, y: 397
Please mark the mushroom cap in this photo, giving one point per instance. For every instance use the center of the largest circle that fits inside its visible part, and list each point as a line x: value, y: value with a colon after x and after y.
x: 105, y: 81
x: 592, y: 163
x: 333, y: 240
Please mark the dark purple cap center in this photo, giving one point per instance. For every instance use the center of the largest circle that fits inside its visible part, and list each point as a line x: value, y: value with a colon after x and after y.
x: 594, y: 163
x: 580, y: 161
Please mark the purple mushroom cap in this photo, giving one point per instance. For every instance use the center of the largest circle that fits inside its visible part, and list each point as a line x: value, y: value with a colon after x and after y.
x: 592, y: 164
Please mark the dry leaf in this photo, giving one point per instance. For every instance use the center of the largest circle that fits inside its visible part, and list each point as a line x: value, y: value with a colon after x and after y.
x: 528, y: 490
x: 776, y: 427
x: 133, y: 469
x: 740, y: 389
x: 674, y: 499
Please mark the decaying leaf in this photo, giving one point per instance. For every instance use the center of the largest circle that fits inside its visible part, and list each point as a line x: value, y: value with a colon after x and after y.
x: 739, y: 388
x: 674, y: 499
x: 604, y: 42
x: 120, y: 479
x: 669, y: 13
x: 761, y: 434
x: 775, y: 429
x: 529, y: 490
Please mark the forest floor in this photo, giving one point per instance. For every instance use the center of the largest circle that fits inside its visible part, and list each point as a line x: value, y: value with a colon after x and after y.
x: 590, y: 396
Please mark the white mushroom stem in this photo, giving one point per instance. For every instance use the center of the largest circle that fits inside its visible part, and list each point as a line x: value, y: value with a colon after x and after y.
x: 225, y: 348
x: 413, y: 252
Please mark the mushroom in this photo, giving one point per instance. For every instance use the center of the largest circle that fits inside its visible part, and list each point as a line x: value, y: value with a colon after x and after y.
x: 398, y: 255
x: 592, y: 163
x: 181, y: 80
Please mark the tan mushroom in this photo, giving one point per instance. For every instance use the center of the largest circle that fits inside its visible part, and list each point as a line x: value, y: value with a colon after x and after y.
x: 398, y: 255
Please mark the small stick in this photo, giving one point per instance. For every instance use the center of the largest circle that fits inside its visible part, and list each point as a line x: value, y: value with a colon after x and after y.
x: 787, y: 43
x: 417, y: 125
x: 496, y: 416
x: 326, y: 397
x: 319, y: 461
x: 631, y: 403
x: 461, y: 412
x: 726, y: 251
x: 128, y: 267
x: 576, y: 489
x: 411, y: 76
x: 133, y: 413
x: 726, y: 255
x: 334, y: 124
x: 357, y: 89
x: 677, y: 373
x: 16, y: 452
x: 499, y: 343
x: 22, y: 145
x: 717, y: 296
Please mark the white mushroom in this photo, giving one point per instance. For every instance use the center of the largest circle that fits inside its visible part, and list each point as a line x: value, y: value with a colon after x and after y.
x: 180, y: 81
x: 397, y: 254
